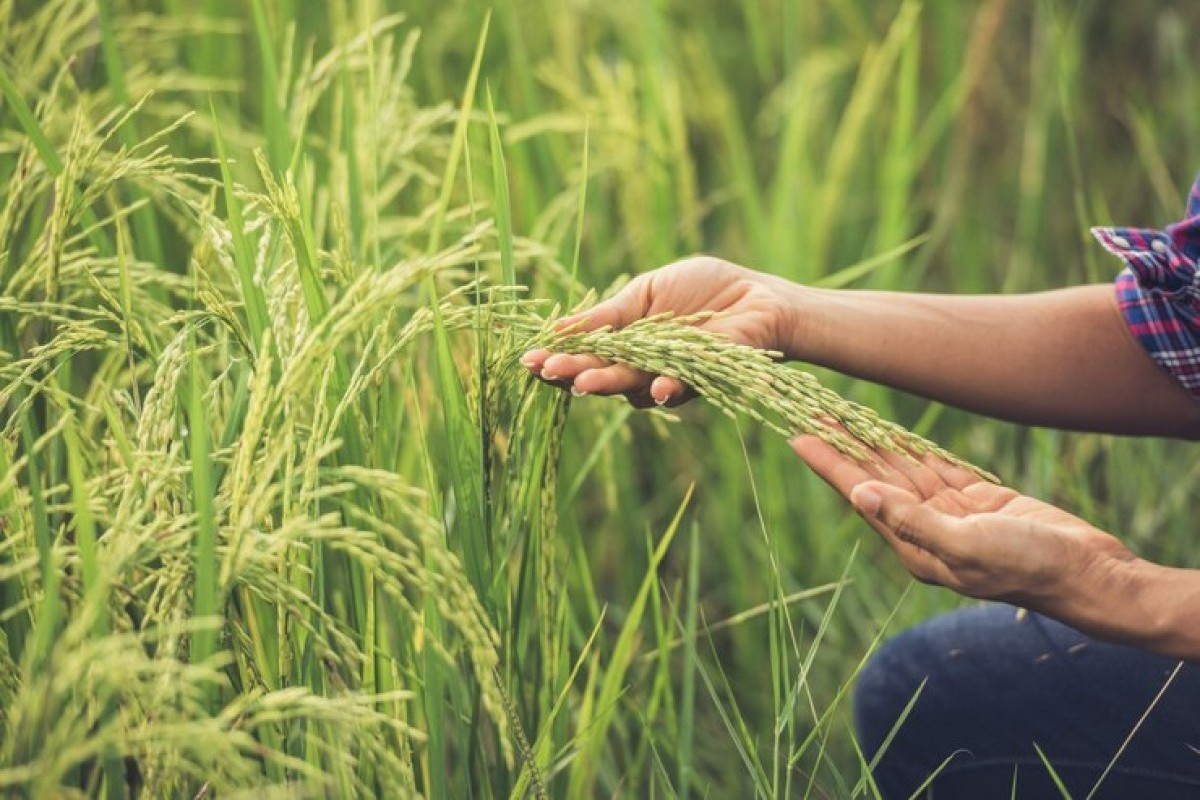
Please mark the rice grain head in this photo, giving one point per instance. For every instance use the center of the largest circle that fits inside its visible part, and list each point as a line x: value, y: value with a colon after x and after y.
x: 743, y: 380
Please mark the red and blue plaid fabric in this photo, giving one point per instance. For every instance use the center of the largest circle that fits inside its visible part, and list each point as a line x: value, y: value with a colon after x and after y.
x: 1159, y: 291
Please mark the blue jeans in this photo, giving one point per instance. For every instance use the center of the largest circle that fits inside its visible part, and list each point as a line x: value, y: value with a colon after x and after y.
x: 997, y: 681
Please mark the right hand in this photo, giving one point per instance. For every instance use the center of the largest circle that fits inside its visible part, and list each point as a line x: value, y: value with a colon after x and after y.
x: 755, y: 309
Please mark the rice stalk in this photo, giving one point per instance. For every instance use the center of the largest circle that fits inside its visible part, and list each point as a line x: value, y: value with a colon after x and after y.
x: 739, y: 379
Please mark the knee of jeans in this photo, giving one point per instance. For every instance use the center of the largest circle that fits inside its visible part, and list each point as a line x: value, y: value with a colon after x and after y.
x: 885, y: 686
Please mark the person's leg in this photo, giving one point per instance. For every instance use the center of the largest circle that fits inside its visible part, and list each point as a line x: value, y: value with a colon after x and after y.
x: 997, y: 681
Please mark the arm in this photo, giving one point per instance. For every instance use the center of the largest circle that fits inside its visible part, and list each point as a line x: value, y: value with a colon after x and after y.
x: 982, y: 540
x: 1063, y: 359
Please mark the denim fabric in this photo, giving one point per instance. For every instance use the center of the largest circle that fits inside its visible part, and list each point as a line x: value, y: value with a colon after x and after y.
x: 997, y: 680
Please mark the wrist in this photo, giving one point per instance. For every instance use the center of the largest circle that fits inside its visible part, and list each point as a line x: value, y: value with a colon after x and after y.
x: 1099, y: 596
x: 802, y: 327
x: 1170, y: 598
x: 1127, y: 600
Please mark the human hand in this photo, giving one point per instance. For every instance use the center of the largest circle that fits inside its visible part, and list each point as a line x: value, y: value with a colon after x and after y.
x: 755, y: 309
x: 951, y: 528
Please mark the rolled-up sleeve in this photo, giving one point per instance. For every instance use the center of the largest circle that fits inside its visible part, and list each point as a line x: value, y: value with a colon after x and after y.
x: 1159, y: 290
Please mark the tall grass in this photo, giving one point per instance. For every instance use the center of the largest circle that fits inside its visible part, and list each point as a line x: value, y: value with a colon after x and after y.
x: 282, y: 514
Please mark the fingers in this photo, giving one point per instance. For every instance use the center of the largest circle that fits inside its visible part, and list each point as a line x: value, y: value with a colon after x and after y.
x: 587, y: 374
x: 907, y: 518
x: 891, y: 510
x: 890, y: 501
x: 988, y: 497
x: 564, y: 367
x: 670, y: 392
x: 534, y: 360
x: 917, y: 532
x: 835, y: 468
x: 954, y: 476
x: 910, y: 473
x: 612, y: 379
x: 926, y: 475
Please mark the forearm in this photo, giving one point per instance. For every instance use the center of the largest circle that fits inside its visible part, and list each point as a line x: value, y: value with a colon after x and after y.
x: 1136, y: 603
x: 1063, y: 359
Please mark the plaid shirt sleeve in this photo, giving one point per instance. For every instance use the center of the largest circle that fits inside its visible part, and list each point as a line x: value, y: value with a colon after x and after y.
x: 1159, y: 290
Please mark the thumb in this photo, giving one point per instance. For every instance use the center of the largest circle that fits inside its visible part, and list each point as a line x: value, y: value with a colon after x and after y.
x: 902, y: 514
x: 618, y: 311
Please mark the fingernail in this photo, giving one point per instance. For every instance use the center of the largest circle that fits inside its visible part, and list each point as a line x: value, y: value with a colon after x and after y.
x: 866, y: 500
x: 578, y: 392
x: 528, y: 361
x: 662, y: 401
x: 549, y: 376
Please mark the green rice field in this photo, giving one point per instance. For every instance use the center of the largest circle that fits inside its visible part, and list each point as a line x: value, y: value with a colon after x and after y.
x: 281, y: 513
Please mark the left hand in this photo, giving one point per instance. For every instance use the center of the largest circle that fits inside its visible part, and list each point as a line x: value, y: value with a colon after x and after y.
x: 953, y: 529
